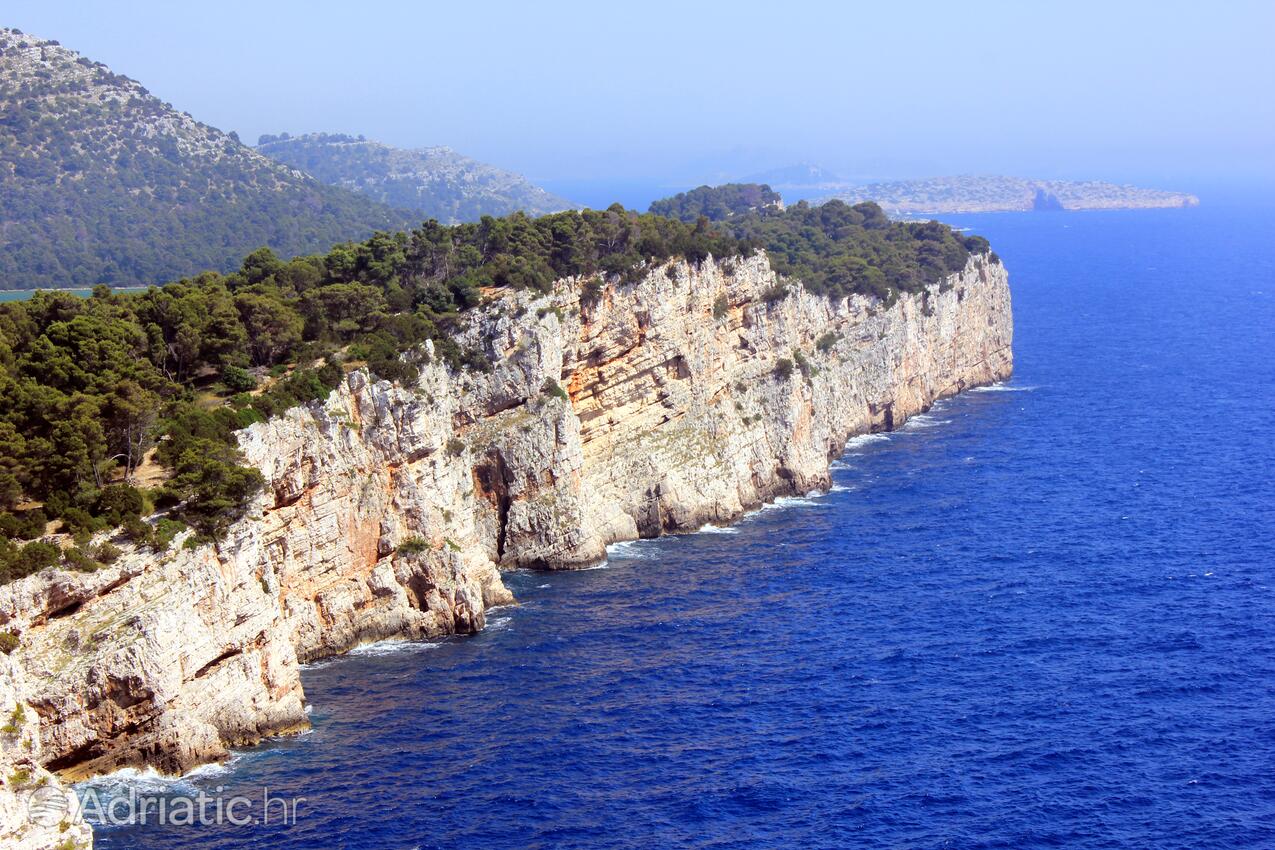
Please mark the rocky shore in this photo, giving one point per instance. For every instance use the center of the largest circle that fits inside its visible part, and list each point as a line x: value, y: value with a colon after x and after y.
x: 688, y: 397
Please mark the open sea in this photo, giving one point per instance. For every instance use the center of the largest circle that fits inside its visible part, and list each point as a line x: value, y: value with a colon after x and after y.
x: 1040, y: 615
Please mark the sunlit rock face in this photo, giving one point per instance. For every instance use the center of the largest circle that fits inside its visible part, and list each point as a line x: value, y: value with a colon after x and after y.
x: 685, y: 398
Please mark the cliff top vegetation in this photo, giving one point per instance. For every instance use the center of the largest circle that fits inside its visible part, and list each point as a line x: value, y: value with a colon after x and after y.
x: 102, y: 395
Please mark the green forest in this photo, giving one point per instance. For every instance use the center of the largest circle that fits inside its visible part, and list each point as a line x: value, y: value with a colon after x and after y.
x: 105, y: 183
x: 718, y: 203
x: 89, y: 386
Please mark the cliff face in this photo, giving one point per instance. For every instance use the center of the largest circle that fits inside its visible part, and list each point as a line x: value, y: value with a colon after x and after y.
x: 686, y: 398
x: 33, y: 806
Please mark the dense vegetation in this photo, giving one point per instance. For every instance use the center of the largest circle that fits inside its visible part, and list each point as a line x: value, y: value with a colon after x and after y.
x: 88, y: 387
x: 834, y: 249
x: 104, y: 183
x: 839, y: 250
x: 114, y: 405
x: 436, y: 182
x: 718, y: 203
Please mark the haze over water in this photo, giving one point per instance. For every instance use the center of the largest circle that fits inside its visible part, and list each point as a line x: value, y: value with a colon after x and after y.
x: 1040, y: 615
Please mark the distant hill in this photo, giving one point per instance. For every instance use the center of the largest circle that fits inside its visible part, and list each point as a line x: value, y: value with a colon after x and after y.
x: 104, y: 183
x: 1006, y: 194
x: 802, y: 175
x: 436, y: 182
x: 718, y: 203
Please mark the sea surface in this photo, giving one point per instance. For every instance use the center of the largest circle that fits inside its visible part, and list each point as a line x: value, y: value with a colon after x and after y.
x: 1040, y: 615
x: 25, y: 294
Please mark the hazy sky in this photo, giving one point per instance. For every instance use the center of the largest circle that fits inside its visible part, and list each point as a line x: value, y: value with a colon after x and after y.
x: 636, y: 91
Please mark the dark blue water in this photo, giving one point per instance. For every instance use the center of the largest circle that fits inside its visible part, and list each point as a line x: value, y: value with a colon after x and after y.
x: 1040, y: 617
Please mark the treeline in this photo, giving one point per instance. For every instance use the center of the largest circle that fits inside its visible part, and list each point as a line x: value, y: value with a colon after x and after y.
x: 89, y: 386
x: 838, y: 250
x: 834, y: 249
x: 718, y: 203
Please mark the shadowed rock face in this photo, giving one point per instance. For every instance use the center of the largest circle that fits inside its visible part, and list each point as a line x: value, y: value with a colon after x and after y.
x: 389, y: 511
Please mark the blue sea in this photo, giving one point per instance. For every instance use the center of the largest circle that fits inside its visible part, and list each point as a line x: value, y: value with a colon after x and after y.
x: 1040, y: 615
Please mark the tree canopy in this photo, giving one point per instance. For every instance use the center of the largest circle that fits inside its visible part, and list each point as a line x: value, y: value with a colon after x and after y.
x: 94, y: 390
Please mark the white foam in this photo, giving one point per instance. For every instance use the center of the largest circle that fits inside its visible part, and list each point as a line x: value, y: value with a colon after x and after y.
x: 141, y: 781
x: 807, y: 501
x: 629, y: 549
x: 840, y: 488
x: 543, y: 586
x: 1001, y: 388
x: 209, y: 771
x: 924, y: 420
x: 865, y: 440
x: 718, y: 529
x: 391, y: 646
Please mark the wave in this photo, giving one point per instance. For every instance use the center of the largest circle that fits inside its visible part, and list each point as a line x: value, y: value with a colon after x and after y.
x: 924, y: 420
x: 632, y: 549
x: 1001, y: 388
x: 717, y: 529
x: 390, y: 646
x: 807, y: 501
x: 865, y: 440
x: 149, y: 781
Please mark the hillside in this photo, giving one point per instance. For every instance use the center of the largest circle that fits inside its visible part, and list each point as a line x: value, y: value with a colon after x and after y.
x: 436, y: 182
x: 104, y: 183
x: 1007, y: 194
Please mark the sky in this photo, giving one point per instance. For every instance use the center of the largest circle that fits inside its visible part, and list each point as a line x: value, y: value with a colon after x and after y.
x: 1166, y: 93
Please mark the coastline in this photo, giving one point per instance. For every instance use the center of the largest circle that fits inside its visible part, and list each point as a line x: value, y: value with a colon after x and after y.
x: 149, y: 776
x: 674, y: 421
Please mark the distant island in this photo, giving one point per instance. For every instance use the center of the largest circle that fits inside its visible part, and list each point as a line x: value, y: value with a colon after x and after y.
x: 970, y: 194
x: 435, y: 181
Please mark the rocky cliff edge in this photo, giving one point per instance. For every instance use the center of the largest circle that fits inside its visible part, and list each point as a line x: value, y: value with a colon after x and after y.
x: 688, y: 397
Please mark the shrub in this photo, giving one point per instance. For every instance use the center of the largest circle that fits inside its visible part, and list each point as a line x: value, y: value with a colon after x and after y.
x: 8, y: 642
x: 721, y: 306
x: 25, y: 526
x: 591, y: 293
x: 37, y: 555
x: 139, y: 531
x: 825, y: 343
x: 238, y: 380
x: 774, y: 293
x: 807, y: 370
x: 79, y: 521
x: 118, y: 502
x: 554, y: 389
x: 106, y: 553
x: 455, y: 447
x: 412, y: 546
x: 165, y: 530
x: 80, y: 561
x: 783, y: 368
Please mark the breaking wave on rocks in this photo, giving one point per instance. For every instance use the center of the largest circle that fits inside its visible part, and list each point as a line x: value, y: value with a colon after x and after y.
x: 1001, y: 388
x: 391, y: 647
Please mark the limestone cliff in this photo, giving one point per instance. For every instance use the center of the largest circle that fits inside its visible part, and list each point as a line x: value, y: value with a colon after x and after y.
x: 687, y: 397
